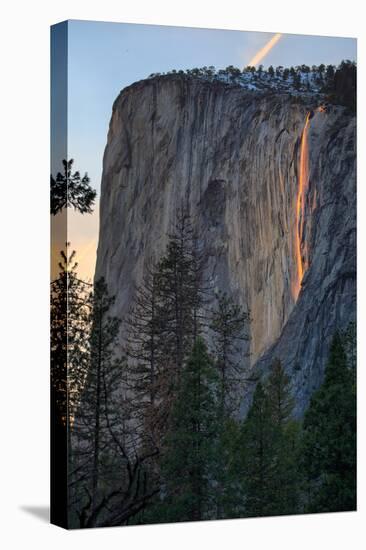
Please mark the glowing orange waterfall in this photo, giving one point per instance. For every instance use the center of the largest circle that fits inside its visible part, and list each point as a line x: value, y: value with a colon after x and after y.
x: 300, y: 205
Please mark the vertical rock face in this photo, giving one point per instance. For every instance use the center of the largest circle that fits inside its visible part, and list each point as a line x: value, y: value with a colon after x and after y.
x: 327, y: 300
x: 232, y: 157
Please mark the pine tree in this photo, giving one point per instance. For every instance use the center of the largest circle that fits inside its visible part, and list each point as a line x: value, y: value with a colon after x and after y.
x: 70, y: 328
x: 102, y: 376
x: 70, y: 331
x: 257, y: 465
x: 189, y: 453
x: 230, y: 334
x: 228, y: 469
x: 269, y: 440
x: 104, y: 372
x: 163, y: 324
x: 321, y: 69
x: 108, y: 480
x: 229, y: 324
x: 180, y: 280
x: 145, y: 331
x: 344, y: 88
x: 329, y: 78
x: 329, y: 438
x: 284, y: 488
x: 279, y: 71
x: 297, y: 81
x: 280, y: 400
x: 71, y: 190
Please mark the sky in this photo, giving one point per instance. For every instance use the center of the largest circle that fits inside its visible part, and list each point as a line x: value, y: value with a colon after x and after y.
x: 104, y: 58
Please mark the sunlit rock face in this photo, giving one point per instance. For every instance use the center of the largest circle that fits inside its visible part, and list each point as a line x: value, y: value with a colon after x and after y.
x: 232, y: 156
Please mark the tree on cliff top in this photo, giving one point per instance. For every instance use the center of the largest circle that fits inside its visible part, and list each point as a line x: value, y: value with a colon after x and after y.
x: 71, y: 190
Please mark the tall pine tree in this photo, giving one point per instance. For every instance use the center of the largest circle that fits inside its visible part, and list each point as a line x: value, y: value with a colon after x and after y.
x: 229, y: 324
x: 108, y: 481
x: 269, y: 447
x: 284, y: 487
x: 180, y: 275
x: 145, y: 331
x: 70, y: 332
x: 189, y: 453
x: 329, y: 438
x: 257, y: 445
x: 93, y: 415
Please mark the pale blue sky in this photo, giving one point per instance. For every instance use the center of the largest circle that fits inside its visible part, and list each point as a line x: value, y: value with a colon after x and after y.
x: 103, y: 58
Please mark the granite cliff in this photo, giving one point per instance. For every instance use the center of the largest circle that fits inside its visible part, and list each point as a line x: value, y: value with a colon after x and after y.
x: 269, y: 179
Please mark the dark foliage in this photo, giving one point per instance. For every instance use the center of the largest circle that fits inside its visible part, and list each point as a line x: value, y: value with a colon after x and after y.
x: 108, y: 481
x: 70, y: 190
x: 189, y: 449
x: 70, y: 329
x: 269, y: 443
x: 154, y: 431
x: 329, y: 438
x: 345, y: 85
x: 230, y: 328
